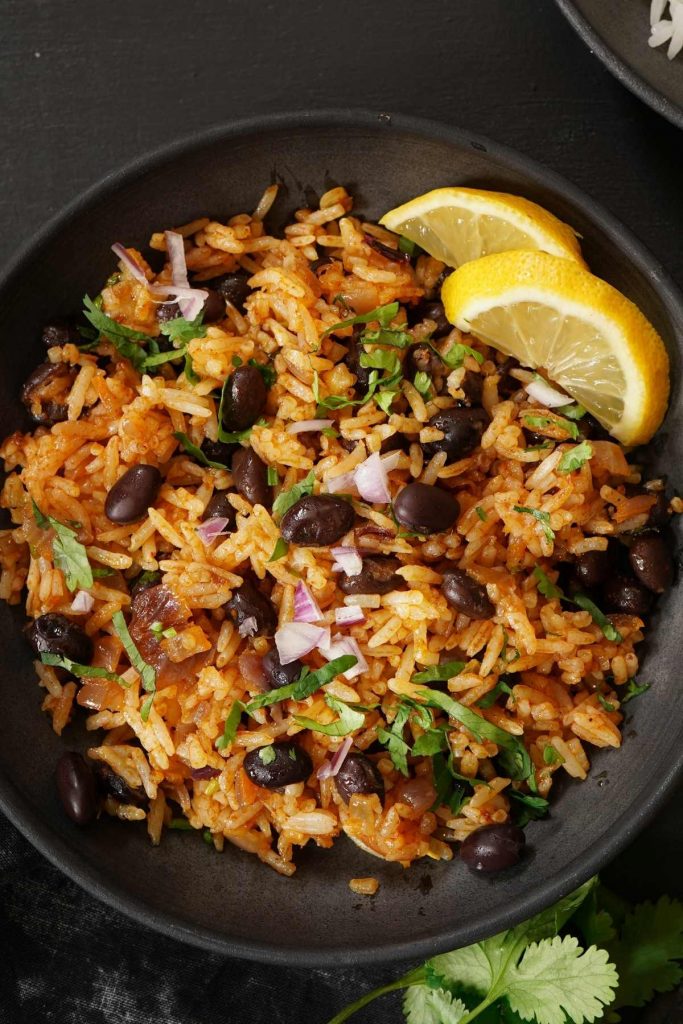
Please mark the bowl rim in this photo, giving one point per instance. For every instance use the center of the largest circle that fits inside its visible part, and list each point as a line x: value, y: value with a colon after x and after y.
x: 624, y: 72
x: 68, y: 859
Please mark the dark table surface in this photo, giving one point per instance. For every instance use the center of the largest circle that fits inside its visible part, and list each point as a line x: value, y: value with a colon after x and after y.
x: 86, y: 87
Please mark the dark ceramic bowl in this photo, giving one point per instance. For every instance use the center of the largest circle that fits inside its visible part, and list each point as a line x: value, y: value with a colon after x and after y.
x: 617, y: 33
x: 231, y: 902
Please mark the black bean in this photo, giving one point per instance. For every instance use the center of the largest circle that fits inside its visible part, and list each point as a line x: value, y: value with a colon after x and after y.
x: 473, y: 387
x: 278, y: 674
x: 421, y: 359
x: 426, y: 509
x: 493, y: 848
x: 53, y: 633
x: 249, y: 603
x: 431, y: 309
x: 214, y: 307
x: 244, y: 398
x: 358, y: 774
x: 144, y: 581
x: 352, y: 360
x: 167, y: 311
x: 462, y: 428
x: 132, y: 494
x: 61, y: 332
x: 534, y: 440
x: 593, y: 568
x: 250, y: 476
x: 219, y: 507
x: 277, y: 765
x: 466, y: 595
x: 219, y: 451
x: 233, y: 288
x: 395, y: 443
x: 378, y: 576
x: 76, y: 788
x: 46, y: 410
x: 111, y: 784
x: 317, y: 520
x: 659, y: 514
x: 389, y: 253
x: 652, y: 562
x: 625, y: 594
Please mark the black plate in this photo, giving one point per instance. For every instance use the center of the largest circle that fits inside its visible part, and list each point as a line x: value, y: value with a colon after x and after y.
x: 231, y: 902
x: 617, y: 32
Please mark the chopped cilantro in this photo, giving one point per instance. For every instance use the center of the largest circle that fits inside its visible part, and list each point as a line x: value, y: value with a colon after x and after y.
x: 542, y: 517
x: 605, y: 703
x: 280, y: 550
x: 429, y: 743
x: 558, y: 421
x: 490, y: 698
x: 575, y: 457
x: 146, y: 672
x: 286, y: 499
x: 81, y: 671
x: 439, y: 673
x: 196, y: 452
x: 349, y: 719
x: 608, y: 629
x: 551, y: 755
x: 382, y: 314
x: 267, y: 754
x: 573, y: 411
x: 455, y: 356
x: 182, y: 331
x: 394, y: 741
x: 406, y: 246
x: 307, y: 683
x: 271, y: 476
x: 69, y: 554
x: 545, y: 585
x: 330, y: 432
x: 122, y: 338
x: 634, y: 689
x: 422, y: 383
x: 230, y: 726
x: 267, y: 372
x: 480, y: 512
x: 392, y: 336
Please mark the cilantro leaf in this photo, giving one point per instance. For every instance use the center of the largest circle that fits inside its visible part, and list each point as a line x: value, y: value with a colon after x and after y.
x: 280, y: 550
x: 405, y: 245
x: 146, y: 672
x: 267, y: 754
x: 541, y: 516
x: 424, y: 1005
x: 431, y: 742
x: 573, y: 411
x: 307, y: 683
x: 81, y: 671
x: 267, y: 372
x: 393, y: 336
x: 382, y: 314
x: 230, y: 726
x: 422, y: 383
x: 551, y: 755
x: 69, y: 554
x: 455, y: 356
x: 122, y: 338
x: 555, y: 976
x: 650, y: 942
x: 394, y: 741
x: 517, y: 764
x: 634, y: 689
x: 184, y: 331
x: 558, y: 421
x: 480, y: 512
x: 490, y: 698
x: 286, y: 499
x: 195, y: 451
x: 439, y: 673
x: 575, y: 457
x: 349, y: 719
x: 609, y: 631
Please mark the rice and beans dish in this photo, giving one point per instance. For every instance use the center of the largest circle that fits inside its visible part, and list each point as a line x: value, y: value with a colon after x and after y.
x: 308, y: 559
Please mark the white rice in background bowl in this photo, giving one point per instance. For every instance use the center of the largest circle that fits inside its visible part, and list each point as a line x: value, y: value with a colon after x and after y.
x: 666, y: 25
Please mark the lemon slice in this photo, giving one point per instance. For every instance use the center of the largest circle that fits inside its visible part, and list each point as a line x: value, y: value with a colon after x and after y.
x: 457, y: 225
x: 590, y: 339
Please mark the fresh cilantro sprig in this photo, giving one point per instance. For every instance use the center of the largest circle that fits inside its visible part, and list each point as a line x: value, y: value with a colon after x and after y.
x: 552, y: 421
x: 69, y: 554
x: 349, y: 719
x: 126, y: 341
x: 542, y: 972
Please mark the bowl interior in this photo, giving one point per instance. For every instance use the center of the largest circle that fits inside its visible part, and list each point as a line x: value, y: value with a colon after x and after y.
x: 231, y: 901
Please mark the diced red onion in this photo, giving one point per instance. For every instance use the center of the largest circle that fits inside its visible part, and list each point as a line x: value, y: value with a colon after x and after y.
x: 295, y: 639
x: 83, y: 602
x: 130, y: 263
x: 344, y: 482
x: 248, y: 626
x: 542, y: 392
x: 341, y: 645
x: 371, y: 480
x: 213, y: 528
x: 347, y: 559
x: 328, y: 769
x: 306, y: 608
x: 207, y: 772
x: 349, y: 615
x: 252, y: 671
x: 190, y: 300
x: 302, y: 426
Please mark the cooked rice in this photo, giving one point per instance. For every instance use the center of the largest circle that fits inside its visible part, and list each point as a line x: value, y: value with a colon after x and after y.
x: 666, y: 25
x: 557, y: 661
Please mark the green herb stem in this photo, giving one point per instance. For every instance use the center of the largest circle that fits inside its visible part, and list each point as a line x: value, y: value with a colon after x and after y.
x: 414, y: 977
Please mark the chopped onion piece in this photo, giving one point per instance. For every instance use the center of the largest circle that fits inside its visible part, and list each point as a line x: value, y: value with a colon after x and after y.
x: 371, y: 480
x: 248, y: 626
x: 190, y: 300
x: 341, y: 645
x: 391, y: 460
x: 83, y: 602
x: 542, y: 392
x: 328, y: 769
x: 349, y: 615
x: 213, y: 528
x: 295, y: 639
x: 343, y: 482
x: 302, y: 426
x: 306, y: 608
x: 130, y: 263
x: 346, y: 559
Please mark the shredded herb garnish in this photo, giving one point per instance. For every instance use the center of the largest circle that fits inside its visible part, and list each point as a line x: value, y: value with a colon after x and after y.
x: 280, y: 550
x: 230, y: 727
x: 394, y: 741
x: 69, y: 554
x: 267, y: 754
x: 542, y: 517
x: 307, y: 683
x: 122, y: 338
x: 349, y: 719
x: 196, y: 452
x: 267, y: 372
x: 439, y: 673
x: 286, y: 499
x: 575, y: 457
x: 146, y: 672
x: 382, y: 314
x: 551, y: 755
x: 81, y: 671
x: 634, y: 689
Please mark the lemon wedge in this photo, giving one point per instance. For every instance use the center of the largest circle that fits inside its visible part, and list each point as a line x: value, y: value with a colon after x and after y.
x: 552, y: 313
x: 457, y: 225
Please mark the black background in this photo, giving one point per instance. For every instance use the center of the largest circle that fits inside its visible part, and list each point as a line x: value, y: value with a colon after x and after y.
x: 87, y: 86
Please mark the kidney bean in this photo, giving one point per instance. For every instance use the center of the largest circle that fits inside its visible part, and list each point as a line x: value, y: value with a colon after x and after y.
x: 132, y: 494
